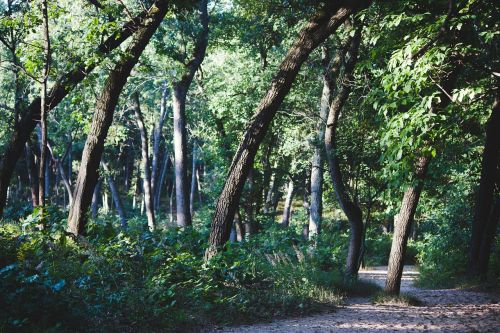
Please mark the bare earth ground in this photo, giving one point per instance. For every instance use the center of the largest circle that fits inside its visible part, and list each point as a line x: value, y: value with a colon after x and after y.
x: 449, y: 310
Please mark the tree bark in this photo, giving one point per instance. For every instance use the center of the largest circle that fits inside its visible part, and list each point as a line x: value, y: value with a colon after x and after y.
x: 161, y: 180
x: 323, y: 24
x: 180, y: 89
x: 115, y: 195
x: 349, y: 206
x: 287, y: 208
x: 103, y: 116
x: 193, y: 178
x: 402, y: 227
x: 145, y: 166
x: 485, y: 198
x: 60, y: 90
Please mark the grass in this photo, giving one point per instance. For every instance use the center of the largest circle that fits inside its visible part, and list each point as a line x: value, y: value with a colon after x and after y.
x: 383, y: 298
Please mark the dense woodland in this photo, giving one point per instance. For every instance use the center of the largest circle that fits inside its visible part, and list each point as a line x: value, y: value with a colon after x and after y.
x: 168, y: 165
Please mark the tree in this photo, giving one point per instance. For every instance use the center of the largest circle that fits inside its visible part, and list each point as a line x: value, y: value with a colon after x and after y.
x: 180, y: 90
x: 145, y: 165
x: 324, y: 23
x: 103, y: 116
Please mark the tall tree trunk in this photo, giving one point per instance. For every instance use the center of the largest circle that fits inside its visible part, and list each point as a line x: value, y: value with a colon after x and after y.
x: 180, y: 89
x: 322, y: 25
x: 103, y: 116
x: 485, y: 198
x: 145, y: 167
x: 115, y: 195
x: 95, y: 199
x: 349, y: 207
x: 488, y: 238
x: 287, y: 208
x: 43, y: 107
x: 250, y: 223
x: 155, y: 178
x: 60, y: 90
x: 269, y: 206
x: 316, y: 205
x: 402, y: 227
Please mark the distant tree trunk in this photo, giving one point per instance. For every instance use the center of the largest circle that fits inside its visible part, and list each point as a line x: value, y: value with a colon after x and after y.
x: 32, y: 174
x: 490, y: 163
x: 321, y: 26
x: 250, y: 224
x: 61, y: 89
x: 287, y: 208
x: 70, y: 159
x: 161, y: 180
x: 316, y: 205
x: 180, y: 90
x: 115, y: 195
x: 269, y: 207
x: 193, y: 179
x: 171, y: 201
x: 103, y: 116
x: 43, y: 107
x: 349, y: 207
x: 156, y: 181
x: 95, y: 199
x: 402, y: 227
x: 145, y: 167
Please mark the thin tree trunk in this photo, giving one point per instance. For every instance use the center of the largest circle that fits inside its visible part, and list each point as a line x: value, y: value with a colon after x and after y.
x: 156, y: 181
x: 61, y: 89
x: 145, y: 167
x: 103, y: 116
x: 287, y: 208
x: 485, y: 198
x: 115, y: 195
x: 349, y: 207
x: 402, y: 227
x: 180, y: 89
x: 322, y: 25
x: 161, y: 181
x: 42, y: 179
x: 250, y: 223
x: 316, y: 206
x: 95, y: 199
x: 193, y: 179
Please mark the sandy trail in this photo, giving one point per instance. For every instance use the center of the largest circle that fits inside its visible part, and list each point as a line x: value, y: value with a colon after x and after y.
x: 448, y: 310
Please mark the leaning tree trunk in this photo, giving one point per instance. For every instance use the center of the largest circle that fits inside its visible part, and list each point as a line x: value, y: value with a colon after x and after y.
x: 103, y: 116
x: 193, y: 179
x: 485, y: 199
x: 402, y: 226
x: 180, y: 89
x: 404, y: 220
x: 145, y: 167
x: 349, y: 206
x: 322, y: 25
x: 287, y: 208
x: 115, y: 195
x: 61, y: 89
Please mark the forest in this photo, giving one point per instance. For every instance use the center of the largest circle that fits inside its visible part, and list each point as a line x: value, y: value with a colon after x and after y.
x: 249, y: 165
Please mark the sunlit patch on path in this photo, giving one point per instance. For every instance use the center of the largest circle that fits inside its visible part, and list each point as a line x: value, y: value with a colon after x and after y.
x: 446, y: 310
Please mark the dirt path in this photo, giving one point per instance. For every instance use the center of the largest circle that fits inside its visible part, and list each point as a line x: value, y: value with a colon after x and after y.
x: 448, y: 310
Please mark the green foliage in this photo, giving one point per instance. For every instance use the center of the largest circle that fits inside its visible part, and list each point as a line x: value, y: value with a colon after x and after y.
x: 134, y: 279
